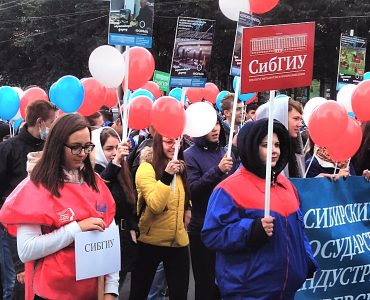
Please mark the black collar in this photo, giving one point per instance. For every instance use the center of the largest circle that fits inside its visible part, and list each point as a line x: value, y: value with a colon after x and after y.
x: 28, y: 138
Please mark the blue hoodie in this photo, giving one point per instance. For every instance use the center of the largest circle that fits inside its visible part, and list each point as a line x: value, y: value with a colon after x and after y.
x: 249, y: 264
x: 202, y: 161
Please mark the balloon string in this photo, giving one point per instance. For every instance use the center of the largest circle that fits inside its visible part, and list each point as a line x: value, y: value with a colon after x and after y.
x: 306, y: 145
x: 11, y: 129
x: 335, y: 169
x: 232, y: 125
x: 309, y: 166
x: 183, y: 95
x: 175, y: 157
x: 244, y: 113
x: 349, y: 161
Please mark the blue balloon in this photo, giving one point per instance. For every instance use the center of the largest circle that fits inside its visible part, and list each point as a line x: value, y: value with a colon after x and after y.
x: 220, y: 97
x: 367, y: 76
x: 52, y: 94
x: 176, y: 93
x: 9, y: 102
x: 352, y: 115
x: 243, y: 97
x: 129, y: 94
x: 17, y: 123
x: 234, y: 82
x: 142, y: 92
x: 246, y: 97
x: 281, y: 96
x: 68, y: 93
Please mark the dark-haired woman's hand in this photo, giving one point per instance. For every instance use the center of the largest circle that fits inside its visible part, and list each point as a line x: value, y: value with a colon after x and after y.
x: 123, y: 151
x: 92, y: 224
x: 182, y: 166
x: 173, y: 167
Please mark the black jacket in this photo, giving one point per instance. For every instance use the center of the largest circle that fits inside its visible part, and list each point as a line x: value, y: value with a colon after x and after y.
x: 124, y: 210
x: 13, y: 154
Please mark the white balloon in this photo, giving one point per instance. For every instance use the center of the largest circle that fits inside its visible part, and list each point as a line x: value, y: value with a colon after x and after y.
x: 310, y: 107
x: 344, y: 96
x: 106, y: 65
x: 19, y: 91
x: 231, y: 8
x: 201, y: 117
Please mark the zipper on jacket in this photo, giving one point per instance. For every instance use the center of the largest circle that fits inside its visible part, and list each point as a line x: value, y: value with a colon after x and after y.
x: 273, y: 178
x: 177, y: 213
x: 287, y: 259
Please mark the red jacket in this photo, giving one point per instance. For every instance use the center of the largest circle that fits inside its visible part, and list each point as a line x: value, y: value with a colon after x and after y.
x: 55, y: 275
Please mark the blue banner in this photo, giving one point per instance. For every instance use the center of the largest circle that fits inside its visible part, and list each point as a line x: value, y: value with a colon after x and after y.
x: 336, y: 217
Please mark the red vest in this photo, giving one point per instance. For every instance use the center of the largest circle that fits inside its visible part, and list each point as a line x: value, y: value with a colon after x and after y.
x: 55, y: 274
x: 248, y: 191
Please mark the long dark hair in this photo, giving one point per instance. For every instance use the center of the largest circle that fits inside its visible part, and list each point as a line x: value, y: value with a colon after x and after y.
x: 124, y: 176
x: 361, y: 158
x: 49, y: 170
x: 160, y: 162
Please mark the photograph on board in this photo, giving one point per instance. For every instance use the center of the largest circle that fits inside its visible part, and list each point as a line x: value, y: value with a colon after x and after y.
x: 130, y: 19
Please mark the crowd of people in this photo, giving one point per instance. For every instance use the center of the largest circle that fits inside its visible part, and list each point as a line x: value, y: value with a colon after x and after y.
x: 204, y: 208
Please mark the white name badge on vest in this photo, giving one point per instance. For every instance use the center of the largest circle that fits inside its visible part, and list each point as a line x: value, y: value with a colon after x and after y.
x: 97, y: 253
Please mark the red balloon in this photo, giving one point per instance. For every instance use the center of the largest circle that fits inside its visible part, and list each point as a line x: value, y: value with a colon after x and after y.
x: 254, y: 99
x: 349, y: 142
x: 327, y: 123
x: 361, y: 101
x: 262, y: 6
x: 168, y: 117
x: 30, y: 95
x: 111, y: 97
x: 141, y: 67
x: 153, y: 87
x: 93, y: 98
x: 211, y: 92
x: 139, y: 112
x: 195, y: 94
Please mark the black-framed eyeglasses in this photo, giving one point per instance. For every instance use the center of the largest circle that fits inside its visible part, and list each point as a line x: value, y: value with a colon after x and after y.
x: 77, y: 149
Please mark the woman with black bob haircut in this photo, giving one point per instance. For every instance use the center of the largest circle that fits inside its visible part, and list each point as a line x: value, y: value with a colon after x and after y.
x: 63, y: 196
x: 258, y: 257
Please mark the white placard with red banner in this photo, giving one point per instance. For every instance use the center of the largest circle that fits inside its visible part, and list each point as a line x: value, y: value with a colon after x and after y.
x: 277, y: 57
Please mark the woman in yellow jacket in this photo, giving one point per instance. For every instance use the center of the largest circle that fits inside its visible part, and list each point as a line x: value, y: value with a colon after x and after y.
x: 163, y: 212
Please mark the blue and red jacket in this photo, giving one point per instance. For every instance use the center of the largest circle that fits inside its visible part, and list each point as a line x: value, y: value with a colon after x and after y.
x: 275, y: 269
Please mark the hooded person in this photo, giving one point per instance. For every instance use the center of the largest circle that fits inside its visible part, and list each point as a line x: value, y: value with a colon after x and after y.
x: 254, y: 254
x: 110, y: 163
x: 289, y: 112
x: 207, y: 166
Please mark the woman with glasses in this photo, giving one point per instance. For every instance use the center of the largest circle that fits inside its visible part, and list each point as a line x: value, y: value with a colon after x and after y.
x: 163, y: 211
x: 63, y: 196
x: 110, y: 163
